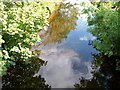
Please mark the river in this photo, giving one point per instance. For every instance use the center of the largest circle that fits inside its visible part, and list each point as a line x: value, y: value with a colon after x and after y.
x: 66, y: 48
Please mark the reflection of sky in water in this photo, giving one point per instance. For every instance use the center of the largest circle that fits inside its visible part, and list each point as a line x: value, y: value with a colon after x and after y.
x: 69, y: 60
x: 64, y: 67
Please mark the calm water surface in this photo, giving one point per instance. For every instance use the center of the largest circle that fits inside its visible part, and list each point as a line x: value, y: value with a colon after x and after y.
x: 66, y: 48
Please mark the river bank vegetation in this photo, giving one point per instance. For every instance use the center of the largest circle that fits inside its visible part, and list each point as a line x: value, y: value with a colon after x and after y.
x: 20, y: 24
x: 104, y: 22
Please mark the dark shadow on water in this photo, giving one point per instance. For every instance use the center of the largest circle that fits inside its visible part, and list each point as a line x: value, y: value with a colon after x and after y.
x: 105, y: 75
x: 21, y: 76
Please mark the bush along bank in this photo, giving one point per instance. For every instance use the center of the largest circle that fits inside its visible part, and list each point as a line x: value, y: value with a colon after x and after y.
x: 20, y: 24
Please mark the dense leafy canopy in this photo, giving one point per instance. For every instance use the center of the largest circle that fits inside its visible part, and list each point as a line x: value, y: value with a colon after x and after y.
x: 104, y: 19
x: 20, y: 24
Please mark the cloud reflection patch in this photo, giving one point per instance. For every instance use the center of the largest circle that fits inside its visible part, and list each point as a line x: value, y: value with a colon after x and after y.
x: 86, y: 38
x: 64, y: 67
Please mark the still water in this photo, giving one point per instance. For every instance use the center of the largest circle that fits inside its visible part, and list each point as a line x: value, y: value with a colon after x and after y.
x: 65, y: 47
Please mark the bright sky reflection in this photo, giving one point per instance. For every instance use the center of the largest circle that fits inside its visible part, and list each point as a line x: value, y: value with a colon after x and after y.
x: 69, y: 60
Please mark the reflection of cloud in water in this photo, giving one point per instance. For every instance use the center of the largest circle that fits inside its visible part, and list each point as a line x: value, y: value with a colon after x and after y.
x: 64, y: 67
x: 87, y: 38
x: 69, y: 60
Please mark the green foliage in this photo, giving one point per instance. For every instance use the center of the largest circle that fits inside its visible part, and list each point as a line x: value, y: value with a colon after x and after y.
x: 105, y: 22
x: 20, y: 23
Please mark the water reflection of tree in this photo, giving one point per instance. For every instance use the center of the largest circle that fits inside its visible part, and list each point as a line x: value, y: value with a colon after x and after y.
x: 62, y: 20
x: 21, y: 76
x: 105, y: 75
